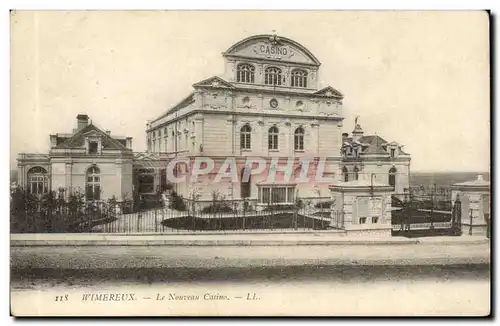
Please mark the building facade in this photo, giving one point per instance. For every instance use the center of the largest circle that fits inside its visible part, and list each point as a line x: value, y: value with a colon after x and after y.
x: 88, y: 160
x: 371, y: 155
x: 267, y: 104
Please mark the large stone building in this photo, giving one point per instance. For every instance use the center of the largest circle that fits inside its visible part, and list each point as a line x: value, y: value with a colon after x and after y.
x: 267, y: 104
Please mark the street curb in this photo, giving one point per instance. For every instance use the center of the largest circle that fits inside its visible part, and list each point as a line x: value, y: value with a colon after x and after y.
x: 217, y: 243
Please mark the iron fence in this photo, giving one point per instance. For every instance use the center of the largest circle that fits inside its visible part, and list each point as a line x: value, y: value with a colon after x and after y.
x: 30, y: 214
x: 425, y: 211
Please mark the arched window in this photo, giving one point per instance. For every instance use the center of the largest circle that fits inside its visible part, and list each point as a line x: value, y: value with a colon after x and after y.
x: 246, y: 137
x: 93, y: 184
x: 345, y: 174
x: 392, y: 177
x: 273, y: 76
x: 38, y: 180
x: 273, y: 138
x: 356, y: 173
x: 298, y: 138
x: 245, y: 189
x: 299, y: 78
x: 245, y: 73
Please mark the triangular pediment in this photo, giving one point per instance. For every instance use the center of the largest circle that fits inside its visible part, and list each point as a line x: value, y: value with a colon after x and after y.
x: 214, y: 82
x: 329, y: 92
x: 78, y: 139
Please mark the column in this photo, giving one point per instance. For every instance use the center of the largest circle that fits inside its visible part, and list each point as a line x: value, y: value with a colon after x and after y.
x: 69, y: 176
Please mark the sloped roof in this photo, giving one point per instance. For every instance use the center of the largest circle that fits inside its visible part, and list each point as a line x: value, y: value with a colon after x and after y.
x: 77, y: 140
x: 374, y: 144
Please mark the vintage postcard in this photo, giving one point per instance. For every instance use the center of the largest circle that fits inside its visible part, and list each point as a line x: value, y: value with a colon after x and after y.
x: 250, y: 163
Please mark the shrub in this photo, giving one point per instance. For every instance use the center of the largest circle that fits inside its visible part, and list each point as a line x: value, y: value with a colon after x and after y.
x: 325, y: 204
x: 177, y: 202
x: 279, y: 207
x: 217, y: 208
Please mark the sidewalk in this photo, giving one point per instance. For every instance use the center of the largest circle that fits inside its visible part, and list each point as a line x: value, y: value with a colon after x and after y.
x: 221, y: 239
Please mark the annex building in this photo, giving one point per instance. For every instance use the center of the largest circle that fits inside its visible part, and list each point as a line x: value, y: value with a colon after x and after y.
x: 266, y: 103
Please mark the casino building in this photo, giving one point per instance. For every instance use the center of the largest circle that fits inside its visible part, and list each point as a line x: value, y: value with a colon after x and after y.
x: 267, y: 103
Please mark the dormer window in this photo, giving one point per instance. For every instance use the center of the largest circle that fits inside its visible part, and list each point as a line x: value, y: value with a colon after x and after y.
x: 393, y: 152
x: 93, y: 147
x: 93, y: 144
x: 245, y: 73
x: 273, y: 76
x: 299, y: 78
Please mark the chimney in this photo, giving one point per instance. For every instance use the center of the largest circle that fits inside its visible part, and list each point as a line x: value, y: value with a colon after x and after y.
x: 82, y: 121
x: 129, y: 142
x: 108, y: 132
x: 345, y: 135
x: 53, y: 141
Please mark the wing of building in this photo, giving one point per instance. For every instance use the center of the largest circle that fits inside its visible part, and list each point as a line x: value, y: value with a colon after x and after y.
x: 88, y: 160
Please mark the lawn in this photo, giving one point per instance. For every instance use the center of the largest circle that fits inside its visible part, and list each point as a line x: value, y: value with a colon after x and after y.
x: 255, y: 222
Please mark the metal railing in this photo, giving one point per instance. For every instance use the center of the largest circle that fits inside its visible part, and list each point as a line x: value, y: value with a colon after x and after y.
x: 39, y: 215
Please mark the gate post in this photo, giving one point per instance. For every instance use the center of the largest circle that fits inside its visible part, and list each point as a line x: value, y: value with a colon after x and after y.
x: 470, y: 221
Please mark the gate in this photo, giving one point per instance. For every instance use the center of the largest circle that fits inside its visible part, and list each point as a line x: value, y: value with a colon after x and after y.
x: 425, y: 215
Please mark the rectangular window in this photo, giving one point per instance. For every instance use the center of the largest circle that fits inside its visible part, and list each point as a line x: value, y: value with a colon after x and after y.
x: 393, y: 152
x: 245, y: 141
x: 362, y: 220
x: 299, y: 142
x: 276, y: 194
x: 93, y: 147
x: 273, y: 142
x: 374, y: 219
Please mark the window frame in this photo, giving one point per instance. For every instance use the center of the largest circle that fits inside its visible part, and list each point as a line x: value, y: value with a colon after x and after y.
x: 356, y: 173
x: 299, y: 78
x: 273, y: 138
x: 298, y: 139
x: 273, y: 76
x: 245, y: 73
x: 93, y: 174
x: 392, y: 176
x: 246, y: 137
x: 38, y: 177
x: 271, y: 194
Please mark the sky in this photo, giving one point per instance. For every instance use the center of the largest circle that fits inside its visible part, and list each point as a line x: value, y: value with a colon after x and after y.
x: 418, y: 78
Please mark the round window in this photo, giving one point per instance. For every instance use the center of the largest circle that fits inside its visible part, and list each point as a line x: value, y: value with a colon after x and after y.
x: 273, y: 103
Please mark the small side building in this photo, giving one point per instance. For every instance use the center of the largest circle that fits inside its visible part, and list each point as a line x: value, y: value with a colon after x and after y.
x: 474, y: 197
x: 88, y: 160
x: 372, y: 155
